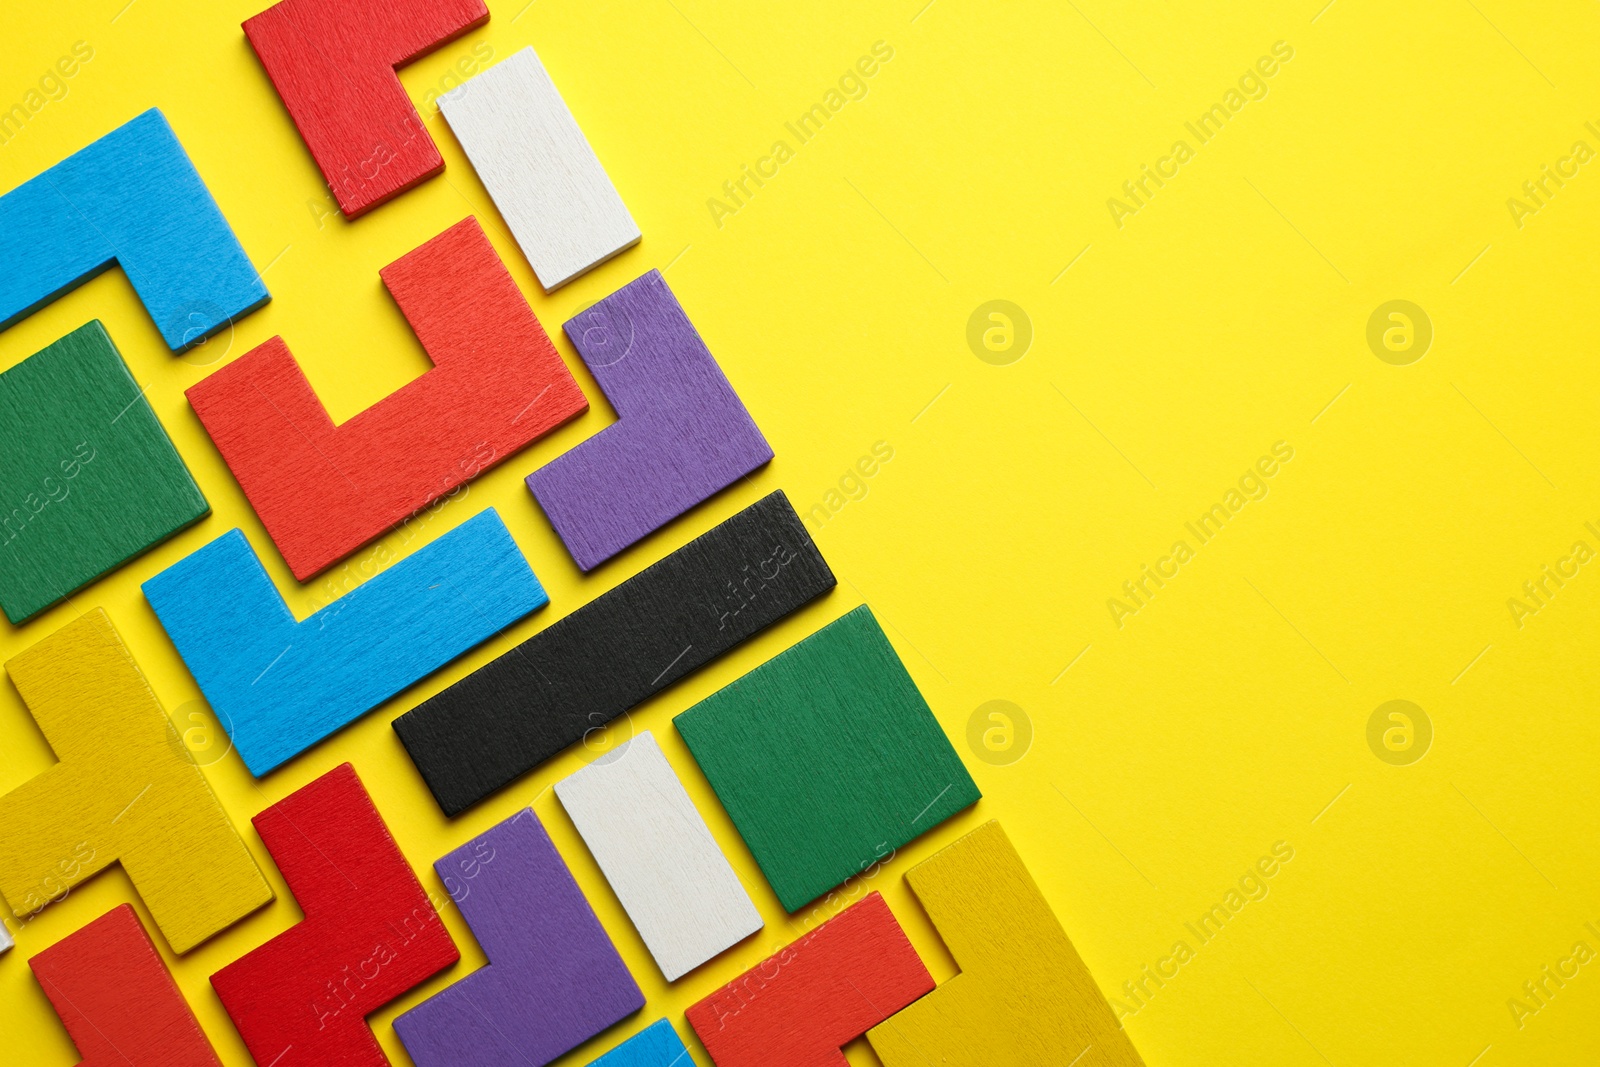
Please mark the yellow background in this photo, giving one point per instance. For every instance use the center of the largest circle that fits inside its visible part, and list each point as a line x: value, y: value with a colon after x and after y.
x: 1229, y: 713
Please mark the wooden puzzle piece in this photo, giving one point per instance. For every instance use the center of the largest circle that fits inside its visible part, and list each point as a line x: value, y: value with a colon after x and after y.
x: 1024, y: 997
x: 90, y: 475
x: 333, y: 63
x: 675, y: 616
x: 321, y: 490
x: 5, y: 939
x: 659, y: 856
x: 683, y: 433
x: 827, y: 758
x: 117, y: 1000
x: 539, y: 169
x: 554, y: 979
x: 658, y: 1045
x: 370, y: 933
x: 125, y: 790
x: 132, y: 199
x: 280, y: 686
x: 799, y: 1007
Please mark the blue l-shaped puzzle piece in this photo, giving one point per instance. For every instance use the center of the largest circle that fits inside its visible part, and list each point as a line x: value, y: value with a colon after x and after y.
x: 279, y: 686
x: 131, y: 198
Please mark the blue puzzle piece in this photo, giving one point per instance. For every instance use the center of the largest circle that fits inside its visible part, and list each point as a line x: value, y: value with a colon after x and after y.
x: 278, y: 686
x: 132, y: 198
x: 657, y: 1046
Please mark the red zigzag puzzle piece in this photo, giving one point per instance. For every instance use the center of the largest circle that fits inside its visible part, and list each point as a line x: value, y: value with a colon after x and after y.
x: 799, y: 1007
x: 117, y: 999
x: 370, y: 933
x: 332, y: 62
x: 323, y: 490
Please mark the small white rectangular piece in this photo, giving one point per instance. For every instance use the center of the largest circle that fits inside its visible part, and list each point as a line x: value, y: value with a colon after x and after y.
x: 537, y: 165
x: 5, y: 938
x: 659, y: 857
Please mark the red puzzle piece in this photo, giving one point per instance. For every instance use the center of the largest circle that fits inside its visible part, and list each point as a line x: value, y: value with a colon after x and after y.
x: 117, y: 999
x: 370, y: 933
x: 333, y: 65
x: 323, y: 490
x: 799, y: 1007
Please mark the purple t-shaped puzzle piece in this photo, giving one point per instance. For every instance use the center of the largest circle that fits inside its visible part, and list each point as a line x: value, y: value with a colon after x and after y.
x: 682, y: 435
x: 554, y: 979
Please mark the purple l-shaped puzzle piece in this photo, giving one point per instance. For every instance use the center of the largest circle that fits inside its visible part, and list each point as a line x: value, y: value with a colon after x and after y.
x: 554, y: 979
x: 682, y: 433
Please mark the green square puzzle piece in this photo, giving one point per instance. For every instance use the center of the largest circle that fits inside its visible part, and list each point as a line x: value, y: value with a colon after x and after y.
x: 827, y: 758
x: 89, y: 478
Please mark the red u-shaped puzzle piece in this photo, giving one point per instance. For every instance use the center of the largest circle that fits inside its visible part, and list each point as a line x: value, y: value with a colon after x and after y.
x: 370, y: 932
x: 332, y: 62
x: 497, y: 383
x: 799, y: 1007
x: 117, y: 999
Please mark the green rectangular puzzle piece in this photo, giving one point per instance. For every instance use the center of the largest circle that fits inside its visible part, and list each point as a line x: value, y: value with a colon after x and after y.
x: 827, y: 758
x: 89, y: 479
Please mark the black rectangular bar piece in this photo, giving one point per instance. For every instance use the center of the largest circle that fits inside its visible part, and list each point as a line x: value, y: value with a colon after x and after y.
x: 677, y: 615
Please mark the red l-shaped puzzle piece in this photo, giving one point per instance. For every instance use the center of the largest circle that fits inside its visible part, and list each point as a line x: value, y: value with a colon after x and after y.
x: 118, y: 1000
x: 799, y: 1007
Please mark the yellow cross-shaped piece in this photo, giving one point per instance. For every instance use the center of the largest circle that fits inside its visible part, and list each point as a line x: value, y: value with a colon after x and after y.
x: 126, y: 789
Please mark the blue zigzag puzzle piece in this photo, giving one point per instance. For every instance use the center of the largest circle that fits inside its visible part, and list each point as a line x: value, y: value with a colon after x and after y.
x: 279, y: 686
x: 131, y: 198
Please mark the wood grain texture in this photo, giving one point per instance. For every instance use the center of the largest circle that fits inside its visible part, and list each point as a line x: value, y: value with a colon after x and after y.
x: 659, y: 856
x: 799, y: 1007
x: 90, y: 478
x: 332, y: 63
x: 132, y: 199
x: 125, y: 790
x: 827, y: 758
x: 554, y: 979
x: 280, y: 686
x: 658, y: 1045
x: 323, y: 491
x: 683, y: 435
x: 539, y: 169
x: 370, y: 933
x: 1024, y: 997
x: 117, y: 1000
x: 665, y: 622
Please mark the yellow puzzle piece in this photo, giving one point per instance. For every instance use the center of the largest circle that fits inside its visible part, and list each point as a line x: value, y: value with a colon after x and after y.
x: 1023, y: 997
x: 126, y: 789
